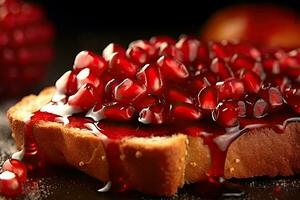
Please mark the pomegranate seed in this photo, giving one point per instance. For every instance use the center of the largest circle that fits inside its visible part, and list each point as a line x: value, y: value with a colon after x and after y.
x: 290, y: 61
x: 278, y: 80
x: 184, y: 111
x: 199, y: 82
x: 272, y: 95
x: 137, y: 55
x: 174, y: 95
x: 208, y: 98
x: 256, y: 106
x: 259, y: 70
x: 260, y: 108
x: 230, y: 88
x: 203, y: 78
x: 170, y: 50
x: 37, y: 55
x: 295, y: 53
x: 203, y: 53
x: 151, y: 77
x: 7, y: 56
x: 219, y: 67
x: 250, y: 100
x: 18, y: 38
x: 294, y: 74
x: 242, y: 109
x: 112, y: 48
x: 271, y: 65
x: 121, y: 67
x: 88, y: 59
x: 252, y: 81
x: 200, y: 67
x: 147, y: 101
x: 155, y: 114
x: 32, y: 13
x: 71, y: 87
x: 9, y: 184
x: 129, y: 91
x: 24, y: 56
x: 157, y: 41
x: 109, y: 88
x: 39, y: 33
x: 4, y: 39
x: 246, y: 49
x: 275, y: 97
x: 86, y: 97
x: 10, y: 77
x: 61, y: 83
x: 279, y: 54
x: 189, y: 48
x: 218, y: 50
x: 85, y: 76
x: 226, y: 113
x: 292, y: 96
x: 172, y: 68
x: 117, y: 112
x: 17, y: 167
x: 146, y: 46
x: 240, y: 61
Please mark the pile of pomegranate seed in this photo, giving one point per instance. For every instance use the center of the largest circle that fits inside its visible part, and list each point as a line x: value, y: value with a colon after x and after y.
x: 162, y: 80
x: 12, y: 176
x: 25, y: 46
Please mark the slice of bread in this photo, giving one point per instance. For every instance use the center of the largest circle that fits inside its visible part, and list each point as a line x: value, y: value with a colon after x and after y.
x: 158, y: 165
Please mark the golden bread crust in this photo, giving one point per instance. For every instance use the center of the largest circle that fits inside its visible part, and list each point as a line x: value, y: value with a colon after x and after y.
x: 159, y: 165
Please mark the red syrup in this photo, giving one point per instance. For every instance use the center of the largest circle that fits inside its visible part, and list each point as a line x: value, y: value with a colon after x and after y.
x: 33, y: 158
x: 116, y: 170
x: 215, y: 137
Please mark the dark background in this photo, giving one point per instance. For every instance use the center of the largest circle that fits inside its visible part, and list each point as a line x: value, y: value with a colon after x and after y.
x: 91, y: 25
x: 169, y: 17
x: 109, y: 15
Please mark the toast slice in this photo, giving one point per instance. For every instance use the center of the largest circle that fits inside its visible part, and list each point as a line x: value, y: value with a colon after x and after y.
x: 158, y: 165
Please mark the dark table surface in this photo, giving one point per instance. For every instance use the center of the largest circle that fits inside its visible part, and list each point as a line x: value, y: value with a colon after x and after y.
x: 72, y: 184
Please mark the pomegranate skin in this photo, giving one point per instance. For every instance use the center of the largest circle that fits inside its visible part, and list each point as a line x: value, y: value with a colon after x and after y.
x: 26, y: 38
x: 262, y: 24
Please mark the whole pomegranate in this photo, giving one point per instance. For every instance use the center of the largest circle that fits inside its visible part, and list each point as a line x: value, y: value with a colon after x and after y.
x: 260, y: 23
x: 25, y: 46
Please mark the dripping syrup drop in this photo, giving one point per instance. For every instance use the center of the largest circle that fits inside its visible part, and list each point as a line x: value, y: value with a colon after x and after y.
x: 32, y: 157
